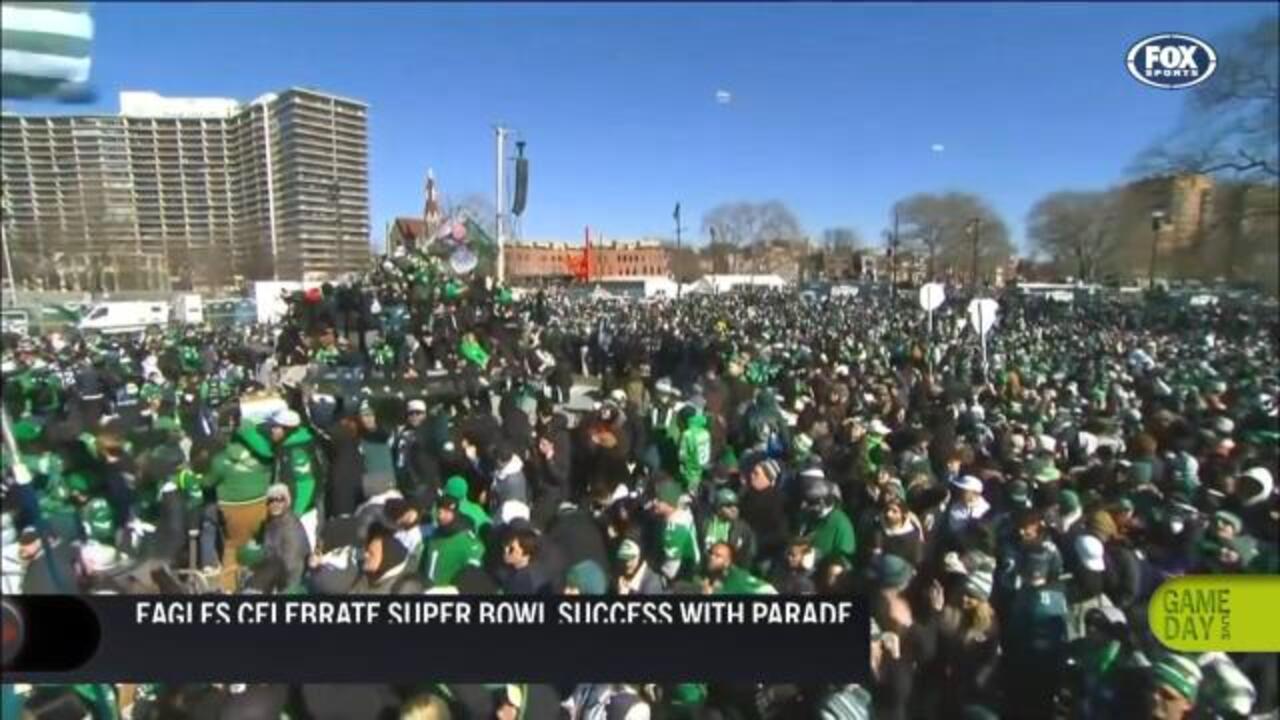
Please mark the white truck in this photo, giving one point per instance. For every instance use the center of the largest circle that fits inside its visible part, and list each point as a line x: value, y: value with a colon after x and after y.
x: 188, y: 309
x: 124, y: 316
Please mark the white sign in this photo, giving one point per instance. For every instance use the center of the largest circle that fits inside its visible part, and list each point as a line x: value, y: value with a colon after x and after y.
x: 982, y: 315
x: 931, y: 296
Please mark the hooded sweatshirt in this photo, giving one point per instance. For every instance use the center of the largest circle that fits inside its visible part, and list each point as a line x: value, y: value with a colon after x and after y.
x: 452, y: 549
x: 695, y: 452
x: 296, y: 467
x: 242, y: 471
x: 456, y: 487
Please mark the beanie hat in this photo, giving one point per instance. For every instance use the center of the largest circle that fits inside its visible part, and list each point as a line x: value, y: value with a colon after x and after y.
x: 26, y: 431
x: 1019, y: 492
x: 771, y: 469
x: 1179, y: 673
x: 1043, y: 470
x: 978, y: 584
x: 1229, y: 518
x: 629, y: 550
x: 725, y: 497
x: 891, y: 572
x: 1069, y: 501
x: 587, y: 577
x: 668, y: 492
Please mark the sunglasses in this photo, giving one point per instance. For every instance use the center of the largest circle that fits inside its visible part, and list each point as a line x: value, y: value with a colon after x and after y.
x: 277, y: 500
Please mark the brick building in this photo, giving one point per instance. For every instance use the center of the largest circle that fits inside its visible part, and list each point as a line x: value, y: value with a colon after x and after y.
x: 549, y: 260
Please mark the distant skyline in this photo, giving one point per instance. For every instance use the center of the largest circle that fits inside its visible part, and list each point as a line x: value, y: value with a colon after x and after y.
x: 837, y: 110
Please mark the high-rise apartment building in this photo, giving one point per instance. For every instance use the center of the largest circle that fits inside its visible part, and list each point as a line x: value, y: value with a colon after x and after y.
x: 202, y: 189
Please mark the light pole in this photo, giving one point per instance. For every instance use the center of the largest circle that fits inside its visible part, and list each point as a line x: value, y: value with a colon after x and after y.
x: 1157, y: 218
x: 679, y: 255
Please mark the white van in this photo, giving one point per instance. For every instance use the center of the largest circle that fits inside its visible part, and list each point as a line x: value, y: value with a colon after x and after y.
x: 124, y: 316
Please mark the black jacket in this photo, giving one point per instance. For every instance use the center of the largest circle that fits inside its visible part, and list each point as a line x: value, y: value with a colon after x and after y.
x: 346, y: 470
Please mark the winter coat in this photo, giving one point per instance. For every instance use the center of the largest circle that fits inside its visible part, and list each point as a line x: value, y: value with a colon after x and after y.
x: 578, y: 534
x: 297, y: 466
x: 451, y: 550
x: 737, y: 533
x: 284, y: 538
x: 766, y: 513
x: 681, y: 556
x: 346, y: 469
x: 509, y: 484
x: 832, y: 535
x: 695, y: 452
x: 242, y: 471
x: 379, y: 466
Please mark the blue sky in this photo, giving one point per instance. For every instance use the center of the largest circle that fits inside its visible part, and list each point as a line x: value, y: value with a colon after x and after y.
x: 834, y: 107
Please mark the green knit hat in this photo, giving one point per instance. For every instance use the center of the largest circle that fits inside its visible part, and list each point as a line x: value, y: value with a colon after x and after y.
x: 1180, y: 673
x: 27, y: 431
x: 668, y: 492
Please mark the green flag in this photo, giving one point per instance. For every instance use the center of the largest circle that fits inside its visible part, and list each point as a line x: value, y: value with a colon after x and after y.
x: 46, y: 50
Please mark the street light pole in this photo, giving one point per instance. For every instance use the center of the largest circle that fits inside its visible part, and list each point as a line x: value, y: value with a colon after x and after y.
x: 976, y: 230
x: 679, y: 255
x: 500, y: 200
x: 1157, y: 216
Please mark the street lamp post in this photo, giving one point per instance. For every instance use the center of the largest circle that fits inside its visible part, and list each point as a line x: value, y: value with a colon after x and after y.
x: 1157, y: 219
x: 975, y: 232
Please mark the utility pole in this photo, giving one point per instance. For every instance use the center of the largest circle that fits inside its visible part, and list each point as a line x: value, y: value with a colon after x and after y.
x: 500, y: 199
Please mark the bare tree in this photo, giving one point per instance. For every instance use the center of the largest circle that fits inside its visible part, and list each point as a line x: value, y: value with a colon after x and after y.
x: 686, y: 266
x: 942, y: 225
x: 1229, y: 123
x: 841, y: 239
x: 743, y: 224
x: 1078, y: 230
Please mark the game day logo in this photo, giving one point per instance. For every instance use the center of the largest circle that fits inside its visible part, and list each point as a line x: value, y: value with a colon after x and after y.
x: 1172, y: 61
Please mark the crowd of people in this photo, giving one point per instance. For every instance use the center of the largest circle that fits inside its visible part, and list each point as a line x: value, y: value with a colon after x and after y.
x: 1006, y: 515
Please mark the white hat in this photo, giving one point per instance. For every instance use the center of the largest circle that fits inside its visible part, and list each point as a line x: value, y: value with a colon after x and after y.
x: 618, y: 396
x: 878, y: 427
x: 417, y: 406
x: 1047, y: 443
x: 1089, y: 550
x: 513, y: 510
x: 968, y: 482
x: 286, y: 418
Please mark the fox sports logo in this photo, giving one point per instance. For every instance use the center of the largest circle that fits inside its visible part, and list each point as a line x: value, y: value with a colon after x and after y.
x: 1172, y: 61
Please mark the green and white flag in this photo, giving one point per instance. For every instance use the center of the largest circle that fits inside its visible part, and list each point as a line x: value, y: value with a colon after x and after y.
x: 46, y: 49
